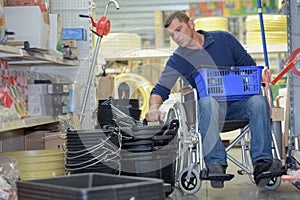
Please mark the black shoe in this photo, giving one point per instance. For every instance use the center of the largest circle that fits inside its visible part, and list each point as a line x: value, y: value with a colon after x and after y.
x: 262, y: 168
x: 216, y: 168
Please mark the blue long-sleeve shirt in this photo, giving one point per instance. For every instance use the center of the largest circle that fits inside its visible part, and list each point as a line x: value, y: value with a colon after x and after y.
x: 219, y: 49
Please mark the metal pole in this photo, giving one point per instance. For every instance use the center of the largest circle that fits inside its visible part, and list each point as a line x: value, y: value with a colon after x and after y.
x: 92, y: 67
x: 90, y: 78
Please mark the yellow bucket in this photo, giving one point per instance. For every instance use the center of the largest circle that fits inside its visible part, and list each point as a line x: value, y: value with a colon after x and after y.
x: 38, y: 163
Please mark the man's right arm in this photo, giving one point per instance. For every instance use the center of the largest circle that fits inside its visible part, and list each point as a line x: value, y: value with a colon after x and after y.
x: 154, y: 113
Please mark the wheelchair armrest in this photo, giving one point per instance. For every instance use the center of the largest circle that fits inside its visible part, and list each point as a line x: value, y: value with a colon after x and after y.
x: 186, y: 90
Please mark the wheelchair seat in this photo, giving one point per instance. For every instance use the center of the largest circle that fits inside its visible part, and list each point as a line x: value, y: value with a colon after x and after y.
x: 231, y: 125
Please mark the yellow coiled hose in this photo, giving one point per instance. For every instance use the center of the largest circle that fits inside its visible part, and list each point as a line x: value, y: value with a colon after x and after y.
x: 137, y: 83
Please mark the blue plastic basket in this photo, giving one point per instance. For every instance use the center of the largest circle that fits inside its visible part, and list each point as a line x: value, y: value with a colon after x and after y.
x: 228, y: 83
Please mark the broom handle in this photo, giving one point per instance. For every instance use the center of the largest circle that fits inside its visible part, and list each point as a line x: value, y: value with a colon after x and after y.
x: 263, y: 33
x: 266, y: 73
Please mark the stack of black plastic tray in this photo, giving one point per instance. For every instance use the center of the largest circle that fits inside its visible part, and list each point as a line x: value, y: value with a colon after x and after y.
x: 92, y: 151
x: 150, y: 151
x: 106, y: 116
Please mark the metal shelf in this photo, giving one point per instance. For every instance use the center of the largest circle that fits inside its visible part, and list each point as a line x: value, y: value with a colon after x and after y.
x: 136, y: 54
x: 17, y: 56
x: 27, y: 123
x: 165, y: 53
x: 271, y: 48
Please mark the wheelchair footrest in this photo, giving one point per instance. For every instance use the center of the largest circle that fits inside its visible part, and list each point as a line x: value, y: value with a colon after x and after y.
x: 215, y: 177
x: 272, y: 174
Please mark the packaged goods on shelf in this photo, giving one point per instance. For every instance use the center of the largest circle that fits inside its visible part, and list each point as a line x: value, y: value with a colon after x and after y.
x: 41, y: 3
x: 44, y: 110
x: 46, y: 104
x: 211, y: 23
x: 55, y: 31
x: 47, y: 99
x: 55, y: 88
x: 13, y: 89
x: 7, y: 114
x: 275, y: 29
x: 18, y: 20
x: 74, y: 34
x: 9, y: 175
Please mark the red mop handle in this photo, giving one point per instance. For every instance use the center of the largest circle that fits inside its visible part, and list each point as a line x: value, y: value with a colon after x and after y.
x: 293, y: 60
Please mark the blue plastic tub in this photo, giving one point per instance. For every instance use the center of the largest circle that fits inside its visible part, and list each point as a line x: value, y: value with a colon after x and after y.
x: 228, y: 83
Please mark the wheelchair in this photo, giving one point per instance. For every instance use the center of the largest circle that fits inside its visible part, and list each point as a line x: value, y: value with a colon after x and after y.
x: 190, y: 169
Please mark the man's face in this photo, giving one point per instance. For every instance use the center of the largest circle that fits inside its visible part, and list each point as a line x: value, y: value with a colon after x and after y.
x: 181, y: 32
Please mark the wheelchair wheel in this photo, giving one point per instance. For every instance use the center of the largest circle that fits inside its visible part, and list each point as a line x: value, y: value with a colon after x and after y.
x: 178, y: 112
x: 192, y: 185
x: 274, y: 183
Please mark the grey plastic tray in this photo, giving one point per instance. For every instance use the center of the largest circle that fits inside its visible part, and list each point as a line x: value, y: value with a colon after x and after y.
x: 91, y: 186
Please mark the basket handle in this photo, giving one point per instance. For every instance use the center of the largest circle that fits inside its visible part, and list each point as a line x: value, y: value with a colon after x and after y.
x: 231, y: 68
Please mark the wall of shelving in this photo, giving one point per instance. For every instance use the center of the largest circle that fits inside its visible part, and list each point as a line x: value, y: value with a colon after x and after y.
x: 76, y: 71
x: 293, y: 13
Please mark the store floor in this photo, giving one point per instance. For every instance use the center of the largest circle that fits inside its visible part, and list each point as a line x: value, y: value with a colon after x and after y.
x: 240, y: 187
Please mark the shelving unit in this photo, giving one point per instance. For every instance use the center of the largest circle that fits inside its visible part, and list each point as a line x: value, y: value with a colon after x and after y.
x: 27, y: 123
x: 272, y: 48
x: 50, y: 63
x: 142, y: 54
x: 33, y: 57
x: 27, y: 58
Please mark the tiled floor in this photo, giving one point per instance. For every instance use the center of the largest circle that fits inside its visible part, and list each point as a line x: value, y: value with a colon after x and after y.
x: 240, y: 187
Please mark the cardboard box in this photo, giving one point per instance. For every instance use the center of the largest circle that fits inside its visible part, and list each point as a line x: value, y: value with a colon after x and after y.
x: 54, y: 140
x: 34, y: 140
x: 55, y: 31
x: 105, y: 87
x: 43, y: 139
x: 70, y: 43
x: 2, y: 16
x: 28, y: 25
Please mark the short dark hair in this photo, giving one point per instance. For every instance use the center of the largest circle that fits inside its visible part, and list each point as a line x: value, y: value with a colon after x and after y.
x: 181, y: 16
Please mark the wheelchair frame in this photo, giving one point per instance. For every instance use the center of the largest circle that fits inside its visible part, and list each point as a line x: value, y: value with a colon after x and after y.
x: 190, y: 162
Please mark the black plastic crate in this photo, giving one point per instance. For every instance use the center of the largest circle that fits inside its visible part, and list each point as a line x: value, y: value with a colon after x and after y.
x: 91, y: 186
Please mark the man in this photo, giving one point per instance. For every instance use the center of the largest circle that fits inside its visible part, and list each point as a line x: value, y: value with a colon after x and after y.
x: 216, y: 48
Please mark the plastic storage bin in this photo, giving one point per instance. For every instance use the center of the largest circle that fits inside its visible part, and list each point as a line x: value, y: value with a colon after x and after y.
x: 91, y: 186
x: 228, y: 83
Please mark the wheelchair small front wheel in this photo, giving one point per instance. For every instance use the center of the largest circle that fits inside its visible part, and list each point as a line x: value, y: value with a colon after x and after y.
x: 189, y: 185
x: 274, y: 183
